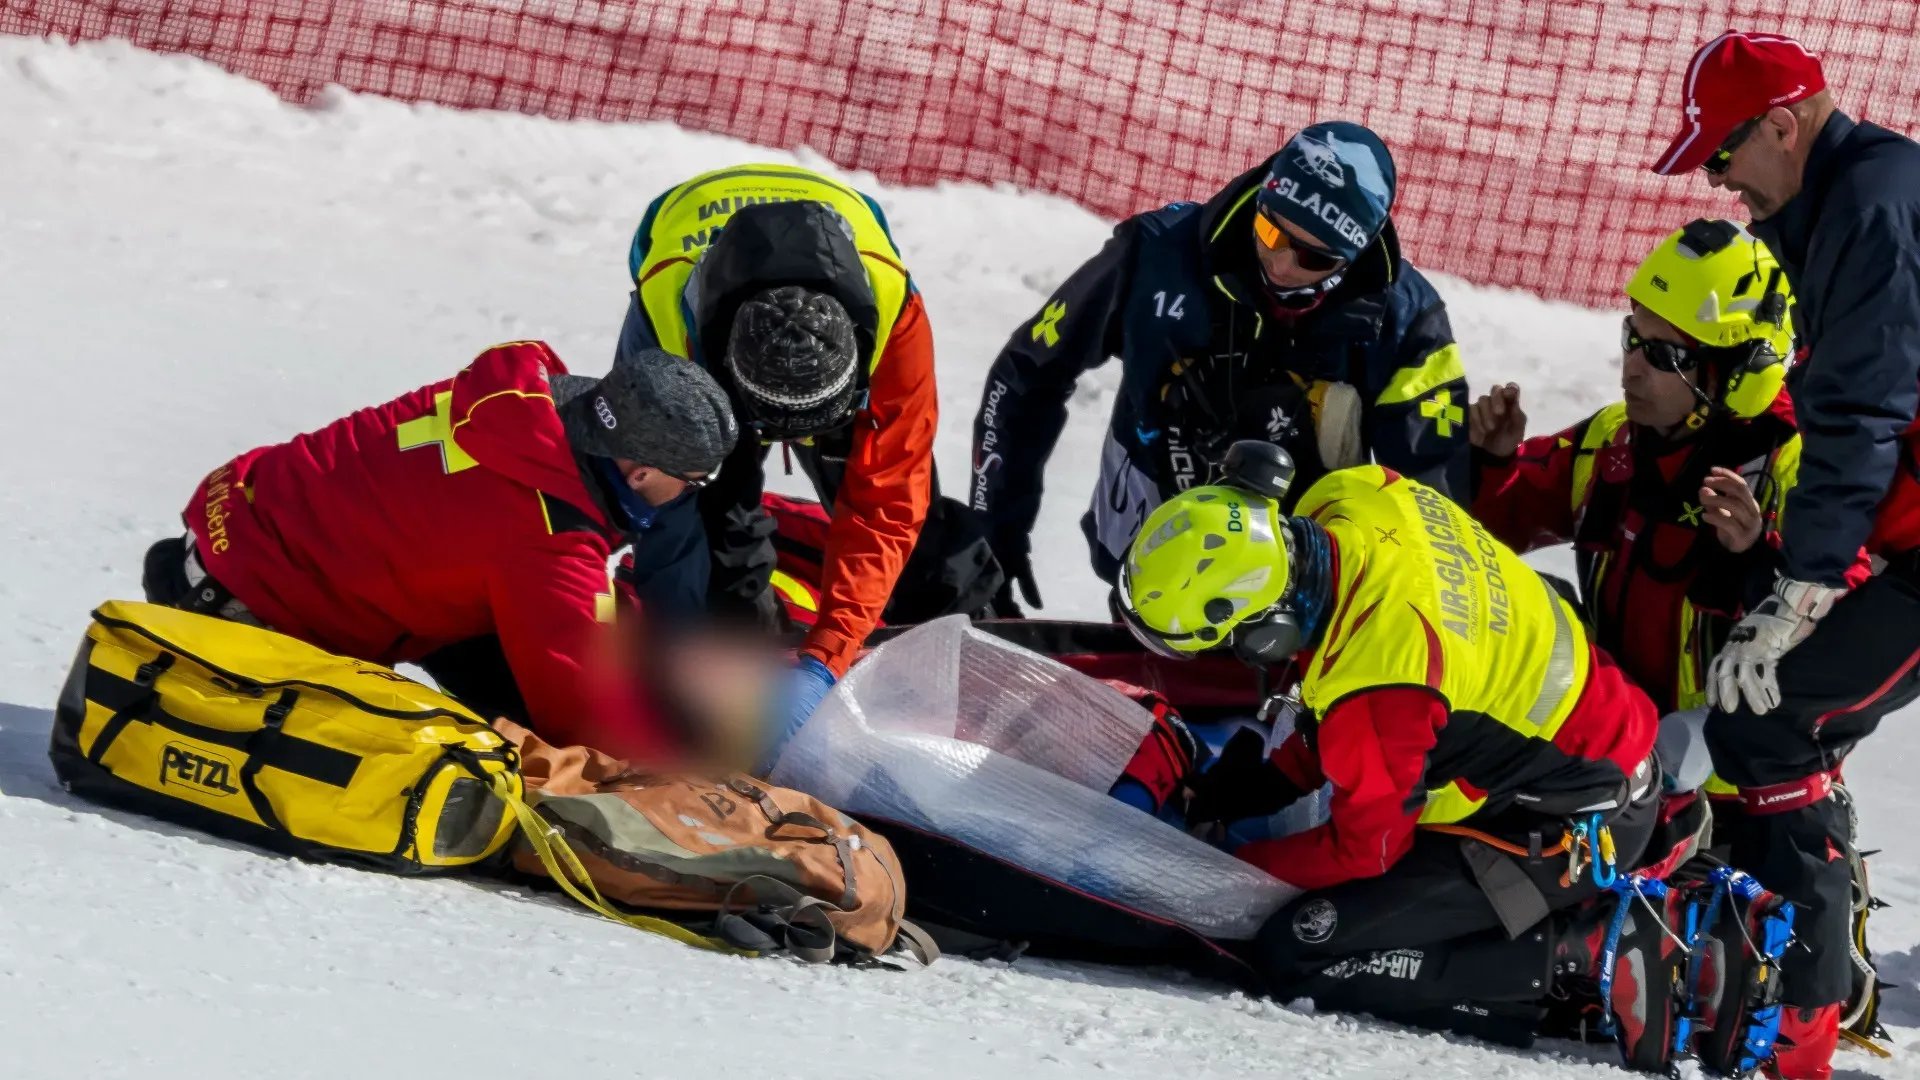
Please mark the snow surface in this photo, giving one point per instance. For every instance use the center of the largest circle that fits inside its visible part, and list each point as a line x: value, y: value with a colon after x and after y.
x: 191, y: 267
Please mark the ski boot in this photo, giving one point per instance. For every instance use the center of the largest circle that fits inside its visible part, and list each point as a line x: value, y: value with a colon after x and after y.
x: 1618, y: 963
x: 1643, y: 959
x: 1736, y: 932
x: 1808, y: 1038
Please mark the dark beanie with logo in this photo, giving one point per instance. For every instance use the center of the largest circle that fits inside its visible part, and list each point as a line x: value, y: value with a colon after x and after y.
x: 1335, y: 180
x: 653, y: 409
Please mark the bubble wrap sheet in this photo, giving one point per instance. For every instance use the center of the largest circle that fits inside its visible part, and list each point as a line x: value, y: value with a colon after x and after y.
x: 966, y: 736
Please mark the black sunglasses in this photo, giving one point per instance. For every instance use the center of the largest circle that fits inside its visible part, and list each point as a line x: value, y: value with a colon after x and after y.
x: 1663, y: 355
x: 1718, y: 161
x: 694, y: 483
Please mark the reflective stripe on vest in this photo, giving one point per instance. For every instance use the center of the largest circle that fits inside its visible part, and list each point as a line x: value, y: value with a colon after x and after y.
x: 1557, y: 681
x: 1602, y: 431
x: 685, y: 220
x: 1427, y: 597
x: 1690, y: 691
x: 1549, y: 711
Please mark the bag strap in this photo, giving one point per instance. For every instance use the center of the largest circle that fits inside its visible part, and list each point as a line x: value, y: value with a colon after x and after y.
x: 565, y: 868
x: 919, y: 943
x: 148, y: 674
x: 778, y: 818
x: 797, y: 913
x: 259, y: 747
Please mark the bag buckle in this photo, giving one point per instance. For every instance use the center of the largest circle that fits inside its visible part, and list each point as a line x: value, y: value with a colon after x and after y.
x: 149, y: 673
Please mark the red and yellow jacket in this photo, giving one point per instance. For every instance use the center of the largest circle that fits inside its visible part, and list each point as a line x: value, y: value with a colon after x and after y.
x: 1451, y: 684
x: 691, y: 270
x: 449, y: 513
x: 1660, y: 590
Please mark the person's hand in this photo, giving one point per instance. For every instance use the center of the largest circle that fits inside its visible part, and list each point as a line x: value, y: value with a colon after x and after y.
x: 1017, y: 564
x: 770, y: 612
x: 1731, y: 509
x: 795, y: 698
x: 1241, y: 782
x: 1745, y: 666
x: 1155, y: 779
x: 1496, y: 423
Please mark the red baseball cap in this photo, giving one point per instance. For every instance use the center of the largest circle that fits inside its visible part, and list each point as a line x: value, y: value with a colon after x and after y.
x: 1732, y: 79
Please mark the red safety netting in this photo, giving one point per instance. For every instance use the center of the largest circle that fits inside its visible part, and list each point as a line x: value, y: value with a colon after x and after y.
x: 1522, y: 130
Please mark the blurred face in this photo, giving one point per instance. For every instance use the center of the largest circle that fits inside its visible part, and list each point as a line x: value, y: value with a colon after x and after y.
x: 1661, y: 400
x: 1284, y: 247
x: 657, y: 486
x: 719, y: 682
x: 1762, y: 162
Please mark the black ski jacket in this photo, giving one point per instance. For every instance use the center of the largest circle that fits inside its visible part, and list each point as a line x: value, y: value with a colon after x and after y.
x: 1176, y: 294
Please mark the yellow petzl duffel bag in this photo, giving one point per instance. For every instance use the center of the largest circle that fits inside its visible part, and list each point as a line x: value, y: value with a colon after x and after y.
x: 259, y: 737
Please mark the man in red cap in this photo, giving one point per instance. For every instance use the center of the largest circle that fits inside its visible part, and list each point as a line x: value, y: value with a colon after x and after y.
x: 1815, y: 666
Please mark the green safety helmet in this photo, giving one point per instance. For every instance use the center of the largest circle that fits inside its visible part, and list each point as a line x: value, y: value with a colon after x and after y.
x: 1206, y: 561
x: 1718, y: 284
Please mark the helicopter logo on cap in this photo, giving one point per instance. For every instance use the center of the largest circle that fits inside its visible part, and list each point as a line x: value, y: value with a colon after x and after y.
x: 1320, y: 159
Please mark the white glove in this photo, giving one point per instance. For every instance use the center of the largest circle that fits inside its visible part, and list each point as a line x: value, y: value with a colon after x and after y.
x: 1746, y: 665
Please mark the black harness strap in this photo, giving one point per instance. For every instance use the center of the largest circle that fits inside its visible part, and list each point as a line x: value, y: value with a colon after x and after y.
x: 1661, y: 501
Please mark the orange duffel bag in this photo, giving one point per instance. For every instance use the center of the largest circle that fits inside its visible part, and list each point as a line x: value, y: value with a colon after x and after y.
x: 761, y: 868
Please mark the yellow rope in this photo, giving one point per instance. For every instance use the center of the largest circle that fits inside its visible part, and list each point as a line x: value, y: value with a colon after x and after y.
x: 566, y: 869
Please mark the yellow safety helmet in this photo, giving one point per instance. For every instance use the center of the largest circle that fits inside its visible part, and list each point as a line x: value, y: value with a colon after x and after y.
x: 1718, y: 284
x: 1206, y: 560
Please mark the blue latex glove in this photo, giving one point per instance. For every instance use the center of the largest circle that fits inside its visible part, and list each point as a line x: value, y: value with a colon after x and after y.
x: 806, y: 685
x: 1135, y: 794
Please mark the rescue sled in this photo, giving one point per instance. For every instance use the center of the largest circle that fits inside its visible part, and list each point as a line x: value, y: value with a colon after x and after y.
x: 996, y: 899
x: 993, y: 897
x: 986, y: 764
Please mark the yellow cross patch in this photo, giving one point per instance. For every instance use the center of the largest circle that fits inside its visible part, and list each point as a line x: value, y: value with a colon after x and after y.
x: 1690, y: 514
x: 1048, y: 324
x: 437, y: 430
x: 1443, y: 412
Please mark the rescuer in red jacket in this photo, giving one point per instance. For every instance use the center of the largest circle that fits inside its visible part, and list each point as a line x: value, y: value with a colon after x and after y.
x: 1672, y: 496
x: 465, y: 526
x: 1461, y: 713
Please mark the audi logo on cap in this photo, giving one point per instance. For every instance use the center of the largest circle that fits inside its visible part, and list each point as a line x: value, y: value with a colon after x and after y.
x: 604, y: 412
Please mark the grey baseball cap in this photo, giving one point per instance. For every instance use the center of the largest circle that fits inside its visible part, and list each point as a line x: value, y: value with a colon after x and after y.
x: 653, y: 408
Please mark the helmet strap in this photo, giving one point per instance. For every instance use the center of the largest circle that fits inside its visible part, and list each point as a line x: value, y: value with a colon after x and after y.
x: 1296, y: 621
x: 1295, y: 302
x: 1703, y: 405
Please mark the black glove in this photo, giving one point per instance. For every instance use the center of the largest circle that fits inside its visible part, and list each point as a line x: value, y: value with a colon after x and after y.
x: 1243, y: 782
x: 1015, y: 562
x: 770, y: 612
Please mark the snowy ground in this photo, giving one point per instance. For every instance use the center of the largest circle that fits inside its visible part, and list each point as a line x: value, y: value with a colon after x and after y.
x: 191, y: 268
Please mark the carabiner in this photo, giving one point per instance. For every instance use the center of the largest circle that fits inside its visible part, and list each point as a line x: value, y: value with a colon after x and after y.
x: 1605, y: 873
x: 1575, y: 843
